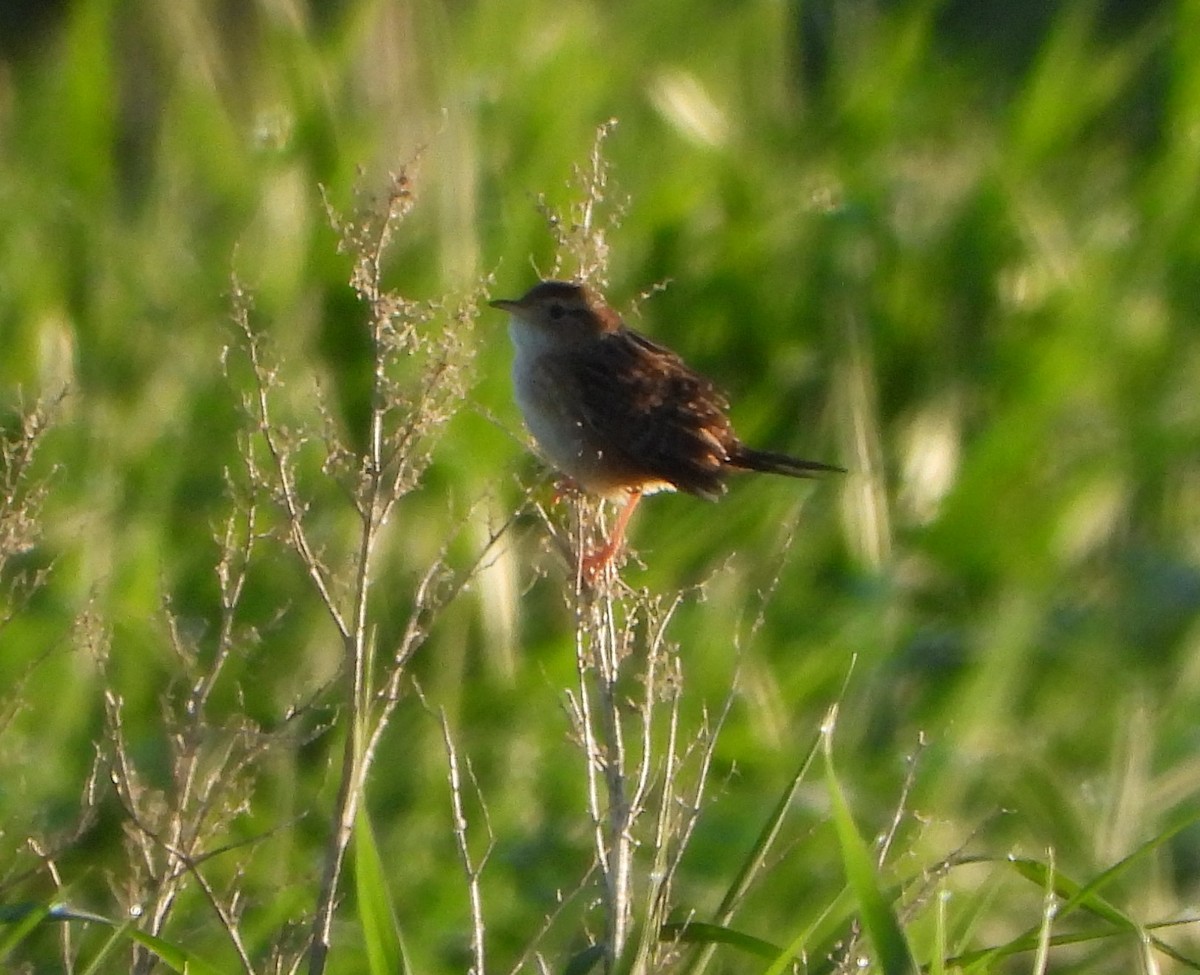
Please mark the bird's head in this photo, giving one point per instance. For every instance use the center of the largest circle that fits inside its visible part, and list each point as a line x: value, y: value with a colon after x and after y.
x: 562, y: 310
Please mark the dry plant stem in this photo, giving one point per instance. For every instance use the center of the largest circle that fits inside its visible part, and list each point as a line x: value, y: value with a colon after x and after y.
x: 357, y: 756
x: 910, y: 775
x: 359, y: 747
x: 615, y: 797
x: 629, y: 774
x: 231, y: 577
x: 677, y: 812
x: 228, y: 916
x: 21, y: 499
x: 620, y: 643
x: 404, y: 417
x: 47, y: 858
x: 286, y: 493
x: 598, y: 663
x: 579, y: 233
x: 473, y: 870
x: 169, y: 831
x: 353, y: 632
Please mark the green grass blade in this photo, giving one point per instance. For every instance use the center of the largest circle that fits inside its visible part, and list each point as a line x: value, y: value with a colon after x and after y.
x: 381, y: 932
x: 1086, y: 895
x: 117, y: 939
x: 171, y: 955
x: 984, y: 960
x: 1072, y: 893
x: 698, y: 932
x: 752, y: 865
x: 783, y: 962
x: 765, y: 840
x: 585, y: 961
x: 24, y: 918
x: 937, y: 964
x: 879, y: 921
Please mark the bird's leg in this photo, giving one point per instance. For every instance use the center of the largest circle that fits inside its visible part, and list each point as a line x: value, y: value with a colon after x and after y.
x: 594, y: 563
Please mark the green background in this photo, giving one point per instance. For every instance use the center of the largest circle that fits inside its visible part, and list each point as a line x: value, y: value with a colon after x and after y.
x: 954, y: 247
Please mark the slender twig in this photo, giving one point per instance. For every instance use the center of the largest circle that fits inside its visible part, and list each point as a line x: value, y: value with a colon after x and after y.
x: 286, y: 492
x: 550, y: 920
x: 402, y: 421
x: 472, y: 869
x: 597, y: 663
x: 355, y: 759
x: 226, y: 916
x: 237, y: 549
x: 898, y: 814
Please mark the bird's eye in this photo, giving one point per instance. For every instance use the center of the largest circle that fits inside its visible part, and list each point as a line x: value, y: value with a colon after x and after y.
x: 557, y: 310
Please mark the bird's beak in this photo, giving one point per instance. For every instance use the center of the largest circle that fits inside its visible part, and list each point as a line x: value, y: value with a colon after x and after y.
x: 506, y: 304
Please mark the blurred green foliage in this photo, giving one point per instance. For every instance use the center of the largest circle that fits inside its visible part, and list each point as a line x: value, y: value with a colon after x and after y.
x: 954, y: 249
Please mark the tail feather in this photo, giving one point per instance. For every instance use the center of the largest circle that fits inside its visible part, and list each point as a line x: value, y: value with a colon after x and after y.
x: 770, y: 462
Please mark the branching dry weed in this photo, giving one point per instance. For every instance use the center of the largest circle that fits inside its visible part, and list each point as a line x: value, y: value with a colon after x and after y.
x: 645, y: 756
x: 22, y: 494
x: 176, y: 832
x: 645, y: 772
x: 179, y: 816
x: 421, y: 372
x: 581, y: 233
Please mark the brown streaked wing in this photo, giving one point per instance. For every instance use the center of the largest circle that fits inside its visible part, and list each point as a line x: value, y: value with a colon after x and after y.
x: 646, y: 406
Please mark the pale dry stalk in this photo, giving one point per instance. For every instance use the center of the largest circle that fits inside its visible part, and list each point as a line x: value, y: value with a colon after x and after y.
x: 472, y: 866
x: 625, y: 706
x: 419, y: 358
x: 626, y: 712
x: 171, y: 832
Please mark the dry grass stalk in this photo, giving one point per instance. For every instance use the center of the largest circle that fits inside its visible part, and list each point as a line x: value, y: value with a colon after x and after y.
x: 644, y: 778
x: 175, y: 831
x: 22, y: 494
x: 420, y: 360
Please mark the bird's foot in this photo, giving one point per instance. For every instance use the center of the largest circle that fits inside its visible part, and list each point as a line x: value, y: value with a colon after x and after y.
x: 593, y: 563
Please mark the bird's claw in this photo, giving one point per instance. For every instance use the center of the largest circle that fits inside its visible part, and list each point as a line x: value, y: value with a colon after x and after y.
x: 594, y: 562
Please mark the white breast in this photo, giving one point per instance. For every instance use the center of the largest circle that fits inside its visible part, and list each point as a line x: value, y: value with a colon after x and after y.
x: 558, y: 434
x: 558, y: 430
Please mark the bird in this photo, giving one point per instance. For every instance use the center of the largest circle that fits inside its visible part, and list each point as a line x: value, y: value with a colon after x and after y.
x: 619, y: 414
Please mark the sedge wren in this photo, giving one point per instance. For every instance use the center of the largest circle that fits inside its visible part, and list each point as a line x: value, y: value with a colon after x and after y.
x: 618, y: 414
